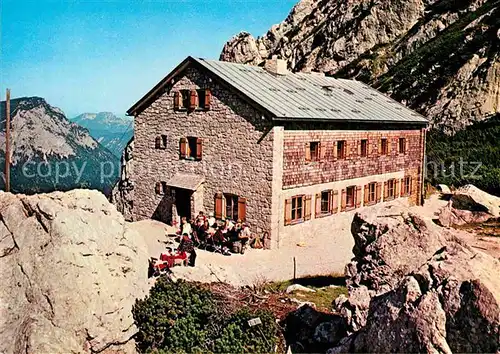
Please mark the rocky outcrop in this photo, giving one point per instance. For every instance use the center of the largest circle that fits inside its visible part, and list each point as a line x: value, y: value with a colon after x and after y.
x: 469, y: 205
x: 439, y: 57
x: 123, y: 191
x: 415, y: 287
x: 71, y: 269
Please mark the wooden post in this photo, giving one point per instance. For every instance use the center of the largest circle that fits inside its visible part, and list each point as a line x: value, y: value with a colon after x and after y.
x: 7, y: 141
x: 294, y: 269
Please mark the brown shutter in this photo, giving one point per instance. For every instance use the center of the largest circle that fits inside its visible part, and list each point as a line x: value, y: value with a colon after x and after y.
x: 322, y: 151
x: 346, y: 149
x: 367, y: 192
x: 402, y: 184
x: 218, y: 205
x: 242, y: 208
x: 208, y: 99
x: 407, y: 145
x: 307, y: 207
x: 193, y: 100
x: 318, y: 205
x: 359, y: 147
x: 334, y: 204
x: 199, y: 148
x: 378, y: 193
x: 380, y: 146
x: 308, y: 152
x: 177, y: 100
x: 386, y: 194
x: 335, y: 150
x: 158, y: 142
x: 182, y: 148
x: 411, y: 190
x: 358, y: 196
x: 288, y: 211
x: 396, y: 188
x: 158, y: 187
x: 343, y: 200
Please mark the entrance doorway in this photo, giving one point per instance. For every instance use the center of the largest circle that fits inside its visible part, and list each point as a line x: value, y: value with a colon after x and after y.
x: 183, y: 202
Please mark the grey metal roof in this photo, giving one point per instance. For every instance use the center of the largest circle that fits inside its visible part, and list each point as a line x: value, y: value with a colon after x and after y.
x: 311, y: 96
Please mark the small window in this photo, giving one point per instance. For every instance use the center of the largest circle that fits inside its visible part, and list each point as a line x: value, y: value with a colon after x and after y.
x: 191, y: 148
x: 364, y: 148
x: 186, y: 94
x: 159, y: 188
x: 372, y: 187
x: 383, y: 144
x: 297, y: 208
x: 402, y: 145
x: 341, y: 149
x: 164, y: 188
x: 407, y: 185
x: 314, y: 150
x: 325, y: 202
x: 350, y: 196
x: 391, y: 188
x: 161, y: 142
x: 231, y: 206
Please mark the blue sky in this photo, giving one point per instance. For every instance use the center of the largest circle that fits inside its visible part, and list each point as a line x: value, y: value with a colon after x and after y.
x: 90, y: 56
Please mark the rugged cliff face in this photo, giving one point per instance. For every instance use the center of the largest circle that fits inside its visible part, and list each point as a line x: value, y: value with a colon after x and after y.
x: 438, y: 57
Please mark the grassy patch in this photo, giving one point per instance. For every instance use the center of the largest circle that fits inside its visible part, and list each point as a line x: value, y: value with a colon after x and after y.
x: 327, y: 287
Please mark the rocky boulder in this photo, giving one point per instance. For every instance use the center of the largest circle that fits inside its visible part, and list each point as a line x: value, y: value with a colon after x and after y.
x: 469, y: 205
x: 415, y: 287
x: 122, y: 195
x: 71, y: 269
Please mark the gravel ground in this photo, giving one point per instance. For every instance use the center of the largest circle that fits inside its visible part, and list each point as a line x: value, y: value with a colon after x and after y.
x: 321, y: 256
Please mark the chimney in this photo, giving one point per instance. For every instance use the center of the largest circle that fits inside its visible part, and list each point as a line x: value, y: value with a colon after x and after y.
x: 276, y: 66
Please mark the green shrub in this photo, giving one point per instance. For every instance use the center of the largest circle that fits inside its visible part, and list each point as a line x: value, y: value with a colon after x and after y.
x: 183, y: 318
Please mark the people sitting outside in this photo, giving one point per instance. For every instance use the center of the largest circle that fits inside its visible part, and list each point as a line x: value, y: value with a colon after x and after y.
x: 200, y: 219
x: 211, y: 219
x: 185, y: 227
x: 187, y: 246
x: 241, y: 236
x: 220, y: 242
x: 228, y: 226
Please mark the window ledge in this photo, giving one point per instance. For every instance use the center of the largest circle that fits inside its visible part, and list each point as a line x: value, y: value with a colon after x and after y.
x: 370, y: 203
x: 295, y: 222
x: 322, y: 215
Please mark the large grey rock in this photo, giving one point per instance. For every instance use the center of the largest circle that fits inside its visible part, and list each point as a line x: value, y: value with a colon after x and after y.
x: 70, y: 269
x: 415, y: 287
x: 122, y: 195
x: 470, y: 197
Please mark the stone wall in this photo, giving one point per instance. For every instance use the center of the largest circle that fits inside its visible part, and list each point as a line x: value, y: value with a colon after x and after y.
x: 237, y: 152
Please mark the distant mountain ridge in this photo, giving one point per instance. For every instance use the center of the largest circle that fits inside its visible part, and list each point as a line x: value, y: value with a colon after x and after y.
x: 111, y: 131
x: 438, y: 57
x: 51, y: 153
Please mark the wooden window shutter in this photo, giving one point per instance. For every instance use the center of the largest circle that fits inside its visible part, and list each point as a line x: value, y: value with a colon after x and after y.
x: 378, y: 192
x: 218, y: 205
x: 158, y: 142
x: 334, y: 204
x: 386, y: 191
x: 183, y: 147
x: 307, y: 207
x: 358, y: 143
x: 411, y: 181
x: 158, y: 187
x: 322, y: 151
x: 367, y: 192
x: 335, y: 150
x: 343, y: 200
x: 380, y: 146
x: 358, y: 196
x: 318, y: 205
x: 242, y: 208
x: 177, y: 100
x: 208, y: 99
x: 407, y: 145
x: 288, y: 211
x: 193, y: 100
x: 346, y: 149
x: 402, y: 184
x: 396, y: 188
x: 199, y: 148
x: 308, y: 152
